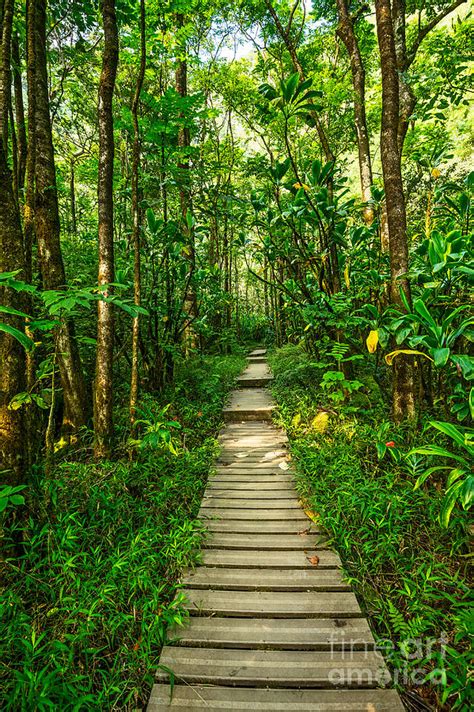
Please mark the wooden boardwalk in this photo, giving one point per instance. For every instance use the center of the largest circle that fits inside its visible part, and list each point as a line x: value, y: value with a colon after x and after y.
x: 273, y: 624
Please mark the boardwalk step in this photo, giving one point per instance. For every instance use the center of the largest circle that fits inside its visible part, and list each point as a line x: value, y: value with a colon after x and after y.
x: 272, y: 485
x: 321, y: 559
x: 262, y: 503
x: 257, y: 514
x: 275, y: 633
x: 258, y: 526
x: 265, y: 579
x: 273, y: 542
x: 254, y: 382
x: 201, y: 697
x: 273, y: 668
x: 273, y: 604
x: 266, y: 494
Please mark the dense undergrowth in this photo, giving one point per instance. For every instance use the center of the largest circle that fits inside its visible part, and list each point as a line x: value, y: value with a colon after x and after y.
x: 409, y: 573
x: 90, y: 585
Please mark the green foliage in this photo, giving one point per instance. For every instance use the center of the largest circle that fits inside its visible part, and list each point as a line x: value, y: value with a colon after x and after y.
x: 460, y: 479
x: 409, y: 573
x: 91, y: 572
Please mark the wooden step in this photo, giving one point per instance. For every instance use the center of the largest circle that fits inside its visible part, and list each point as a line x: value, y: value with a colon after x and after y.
x: 249, y: 404
x: 201, y: 697
x: 259, y: 526
x: 265, y: 579
x: 230, y: 558
x: 272, y: 485
x: 235, y: 503
x: 275, y: 633
x: 264, y: 542
x: 273, y: 668
x: 250, y: 481
x: 272, y: 604
x: 295, y: 514
x: 261, y: 494
x: 254, y: 382
x: 258, y: 352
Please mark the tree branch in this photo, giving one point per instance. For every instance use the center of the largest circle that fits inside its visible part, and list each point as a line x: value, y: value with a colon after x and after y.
x: 430, y: 26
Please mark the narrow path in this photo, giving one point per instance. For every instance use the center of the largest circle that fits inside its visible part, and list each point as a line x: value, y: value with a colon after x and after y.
x: 273, y: 625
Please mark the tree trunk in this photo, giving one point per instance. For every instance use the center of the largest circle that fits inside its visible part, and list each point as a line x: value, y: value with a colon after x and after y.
x: 19, y: 114
x: 5, y: 70
x: 103, y: 395
x: 47, y: 228
x: 136, y: 219
x: 184, y: 141
x: 12, y: 353
x: 403, y: 388
x: 346, y: 32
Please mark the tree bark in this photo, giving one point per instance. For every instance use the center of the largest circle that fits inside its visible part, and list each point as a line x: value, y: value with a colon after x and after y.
x: 47, y: 229
x: 403, y: 388
x: 12, y: 354
x: 5, y: 70
x: 19, y: 114
x: 347, y: 34
x: 103, y: 396
x: 184, y: 141
x: 136, y: 219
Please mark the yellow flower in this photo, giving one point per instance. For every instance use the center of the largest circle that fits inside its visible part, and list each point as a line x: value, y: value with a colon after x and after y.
x: 372, y: 341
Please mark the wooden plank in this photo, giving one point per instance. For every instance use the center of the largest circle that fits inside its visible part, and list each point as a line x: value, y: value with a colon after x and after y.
x: 272, y: 604
x: 219, y: 484
x: 251, y: 513
x: 227, y: 558
x: 288, y: 493
x: 274, y: 633
x: 251, y: 480
x: 273, y: 542
x: 258, y: 352
x: 258, y: 526
x: 273, y: 668
x: 265, y: 579
x: 201, y: 697
x: 250, y: 470
x: 234, y: 503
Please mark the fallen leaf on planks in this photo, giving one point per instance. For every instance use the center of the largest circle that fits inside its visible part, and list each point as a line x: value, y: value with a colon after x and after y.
x: 313, y: 560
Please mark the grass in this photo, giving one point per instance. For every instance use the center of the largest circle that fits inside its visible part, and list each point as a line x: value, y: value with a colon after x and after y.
x: 93, y: 582
x: 410, y: 574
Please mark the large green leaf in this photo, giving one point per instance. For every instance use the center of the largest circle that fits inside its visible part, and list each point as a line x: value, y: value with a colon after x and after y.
x: 24, y: 340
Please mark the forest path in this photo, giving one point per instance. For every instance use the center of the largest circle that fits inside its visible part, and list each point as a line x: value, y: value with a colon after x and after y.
x: 273, y: 624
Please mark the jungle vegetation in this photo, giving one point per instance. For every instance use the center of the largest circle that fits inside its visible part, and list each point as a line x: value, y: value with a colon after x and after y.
x: 180, y: 181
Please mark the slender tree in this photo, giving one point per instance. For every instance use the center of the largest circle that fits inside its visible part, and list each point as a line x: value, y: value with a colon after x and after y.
x: 136, y: 217
x: 47, y: 230
x: 403, y: 388
x: 347, y: 34
x: 12, y: 353
x: 103, y: 396
x: 184, y: 141
x: 19, y: 113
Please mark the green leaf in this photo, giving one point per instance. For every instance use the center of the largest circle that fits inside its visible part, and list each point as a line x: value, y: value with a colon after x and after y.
x: 440, y: 356
x: 24, y: 340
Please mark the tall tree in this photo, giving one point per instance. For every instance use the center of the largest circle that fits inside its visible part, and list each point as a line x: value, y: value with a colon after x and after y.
x: 403, y: 388
x: 136, y: 217
x: 19, y: 113
x: 12, y: 354
x: 103, y: 396
x: 184, y: 141
x: 47, y: 231
x: 347, y: 34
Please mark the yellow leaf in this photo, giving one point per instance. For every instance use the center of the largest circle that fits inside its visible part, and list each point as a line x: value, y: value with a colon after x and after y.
x: 346, y: 276
x: 435, y: 173
x: 296, y: 420
x: 372, y: 340
x: 389, y: 357
x: 320, y: 422
x: 301, y: 185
